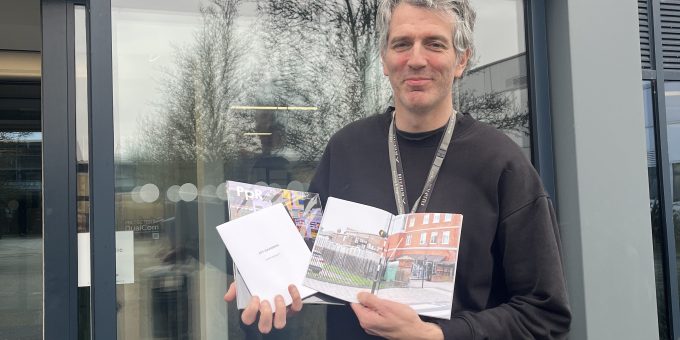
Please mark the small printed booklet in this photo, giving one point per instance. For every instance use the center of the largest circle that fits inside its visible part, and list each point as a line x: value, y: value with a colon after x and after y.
x: 269, y: 251
x: 410, y: 258
x: 303, y: 207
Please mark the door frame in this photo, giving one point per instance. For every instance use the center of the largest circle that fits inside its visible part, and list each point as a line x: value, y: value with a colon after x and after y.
x: 60, y: 255
x: 60, y: 303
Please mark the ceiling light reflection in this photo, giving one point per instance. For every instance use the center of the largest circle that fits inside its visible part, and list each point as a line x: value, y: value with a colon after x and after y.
x: 257, y: 134
x: 283, y: 108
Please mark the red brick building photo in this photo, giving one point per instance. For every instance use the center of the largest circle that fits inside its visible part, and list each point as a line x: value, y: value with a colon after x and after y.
x: 425, y: 248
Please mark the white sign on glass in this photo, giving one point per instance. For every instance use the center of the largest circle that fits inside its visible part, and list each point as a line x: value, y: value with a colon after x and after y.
x: 125, y: 258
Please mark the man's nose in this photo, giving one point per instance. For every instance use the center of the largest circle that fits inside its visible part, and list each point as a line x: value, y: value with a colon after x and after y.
x: 417, y: 58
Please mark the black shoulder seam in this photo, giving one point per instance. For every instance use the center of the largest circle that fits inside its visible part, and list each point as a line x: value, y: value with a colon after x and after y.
x: 522, y: 206
x: 472, y: 127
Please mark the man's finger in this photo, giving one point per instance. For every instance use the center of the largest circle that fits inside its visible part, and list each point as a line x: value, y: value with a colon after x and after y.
x: 367, y: 317
x: 280, y: 314
x: 359, y: 310
x: 265, y: 324
x: 249, y: 314
x: 370, y: 332
x: 231, y: 293
x: 296, y: 306
x: 370, y: 301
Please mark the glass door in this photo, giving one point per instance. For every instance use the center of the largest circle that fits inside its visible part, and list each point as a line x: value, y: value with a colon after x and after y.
x: 20, y: 213
x: 194, y: 106
x: 21, y: 229
x: 206, y: 91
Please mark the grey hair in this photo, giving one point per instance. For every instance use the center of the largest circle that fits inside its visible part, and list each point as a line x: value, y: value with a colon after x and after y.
x: 461, y: 10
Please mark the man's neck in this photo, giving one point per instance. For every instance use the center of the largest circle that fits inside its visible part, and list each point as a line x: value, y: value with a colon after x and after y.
x: 421, y: 121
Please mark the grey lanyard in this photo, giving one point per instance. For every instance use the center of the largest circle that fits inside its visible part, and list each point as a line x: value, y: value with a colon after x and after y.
x: 398, y: 181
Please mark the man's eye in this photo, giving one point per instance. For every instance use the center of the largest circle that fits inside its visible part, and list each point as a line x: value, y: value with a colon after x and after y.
x: 437, y: 45
x: 399, y: 45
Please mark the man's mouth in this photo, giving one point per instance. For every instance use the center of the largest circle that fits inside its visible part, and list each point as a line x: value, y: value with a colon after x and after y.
x: 416, y: 81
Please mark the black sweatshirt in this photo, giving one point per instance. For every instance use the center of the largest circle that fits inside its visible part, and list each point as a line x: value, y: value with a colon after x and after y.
x: 510, y: 283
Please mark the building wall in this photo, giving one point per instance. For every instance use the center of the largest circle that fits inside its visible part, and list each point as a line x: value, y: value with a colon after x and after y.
x: 399, y: 245
x: 600, y: 166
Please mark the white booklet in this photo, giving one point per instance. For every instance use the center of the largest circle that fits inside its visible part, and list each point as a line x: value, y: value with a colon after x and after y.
x: 303, y: 207
x: 269, y: 252
x: 410, y: 258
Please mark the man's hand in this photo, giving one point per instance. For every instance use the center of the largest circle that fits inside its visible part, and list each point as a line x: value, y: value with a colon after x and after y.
x: 264, y: 309
x: 392, y: 320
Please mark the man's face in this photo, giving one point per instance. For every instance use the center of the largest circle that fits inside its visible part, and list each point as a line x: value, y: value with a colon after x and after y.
x: 420, y: 59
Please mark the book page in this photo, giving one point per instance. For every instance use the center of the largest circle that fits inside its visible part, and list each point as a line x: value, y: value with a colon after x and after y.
x: 346, y: 257
x: 303, y: 207
x: 268, y: 251
x: 421, y: 259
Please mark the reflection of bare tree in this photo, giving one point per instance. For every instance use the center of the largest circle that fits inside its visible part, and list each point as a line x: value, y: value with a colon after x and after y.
x: 8, y: 177
x: 12, y: 136
x: 195, y: 121
x: 496, y: 108
x: 312, y: 53
x: 327, y: 55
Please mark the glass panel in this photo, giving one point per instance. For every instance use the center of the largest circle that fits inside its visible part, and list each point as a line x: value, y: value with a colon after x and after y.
x: 495, y: 89
x: 82, y: 184
x: 21, y: 265
x: 189, y: 94
x: 673, y: 102
x: 655, y: 212
x: 21, y: 227
x: 676, y: 183
x: 673, y: 131
x: 251, y: 91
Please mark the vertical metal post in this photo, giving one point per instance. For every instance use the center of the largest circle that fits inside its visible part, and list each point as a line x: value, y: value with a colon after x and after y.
x: 102, y: 177
x: 59, y: 172
x: 539, y: 93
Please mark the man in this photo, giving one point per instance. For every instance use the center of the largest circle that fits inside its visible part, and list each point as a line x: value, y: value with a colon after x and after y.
x: 510, y: 282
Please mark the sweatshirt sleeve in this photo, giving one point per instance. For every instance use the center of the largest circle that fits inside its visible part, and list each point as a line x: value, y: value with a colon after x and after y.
x: 537, y: 308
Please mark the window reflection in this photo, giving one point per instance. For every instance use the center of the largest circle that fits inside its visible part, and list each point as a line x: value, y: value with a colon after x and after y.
x: 497, y: 93
x: 673, y: 133
x: 495, y: 89
x: 20, y: 223
x: 250, y: 91
x: 676, y: 182
x: 655, y: 211
x: 82, y: 167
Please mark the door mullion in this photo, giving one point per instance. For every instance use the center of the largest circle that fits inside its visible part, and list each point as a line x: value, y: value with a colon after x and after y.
x: 59, y: 173
x: 102, y: 213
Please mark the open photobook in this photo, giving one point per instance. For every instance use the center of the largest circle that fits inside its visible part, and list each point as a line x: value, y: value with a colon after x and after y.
x: 303, y: 207
x: 408, y: 258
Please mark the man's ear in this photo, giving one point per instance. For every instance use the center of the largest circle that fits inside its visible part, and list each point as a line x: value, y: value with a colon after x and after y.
x: 462, y: 63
